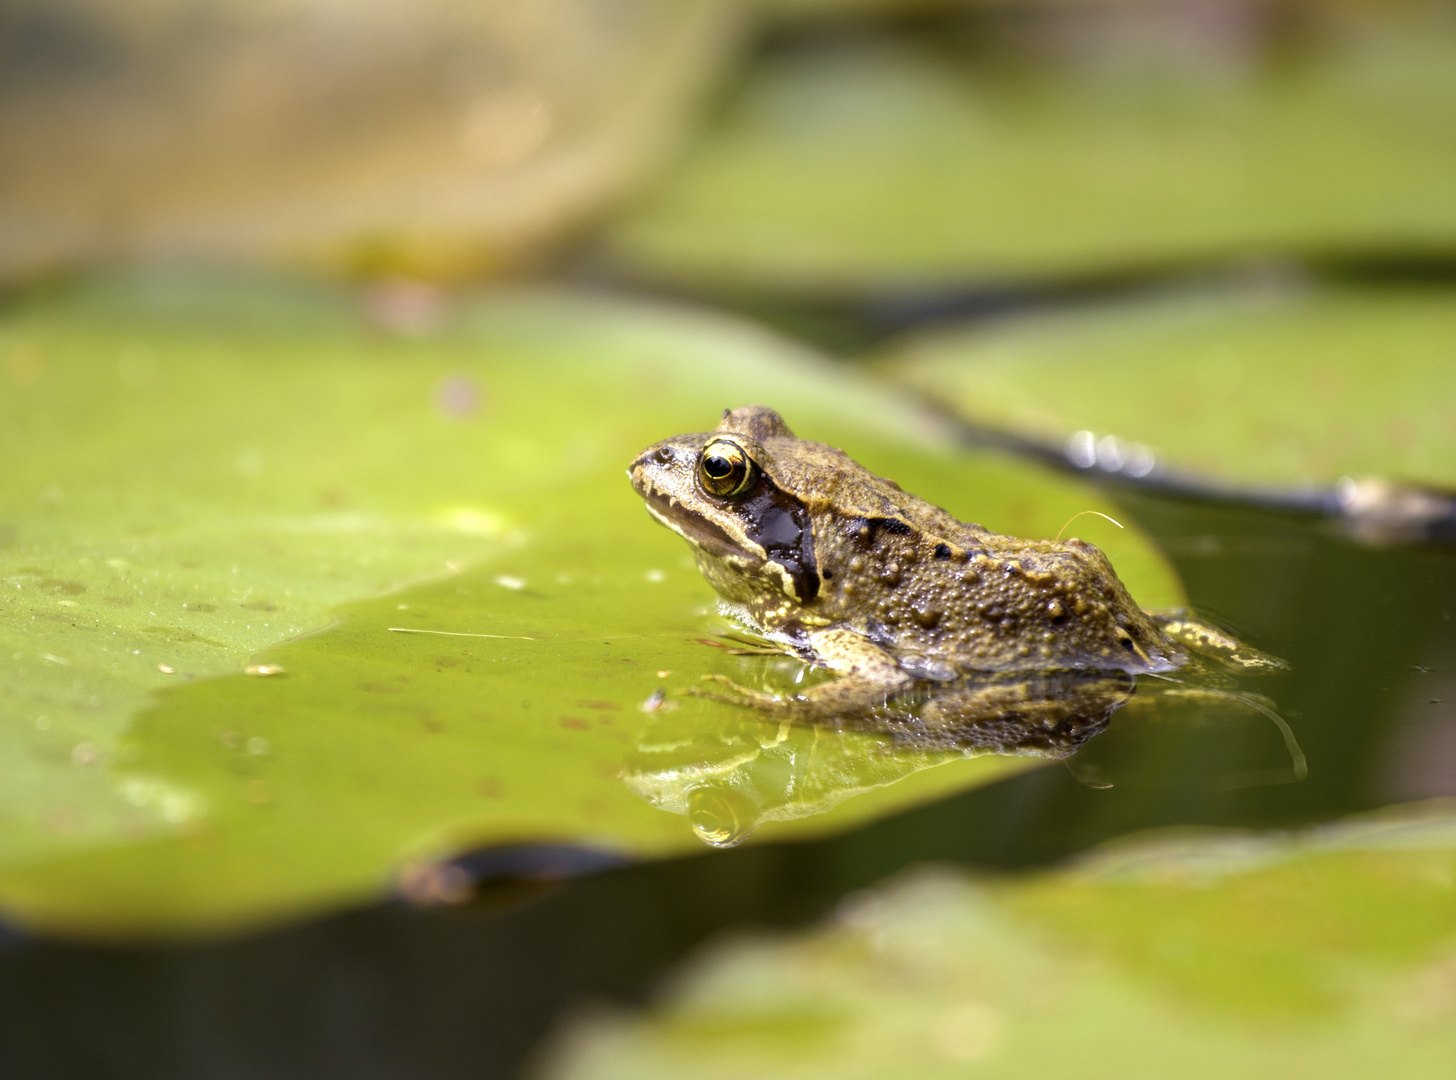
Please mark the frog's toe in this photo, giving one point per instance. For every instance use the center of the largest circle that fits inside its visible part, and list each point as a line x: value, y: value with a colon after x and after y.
x: 1208, y: 639
x: 734, y: 693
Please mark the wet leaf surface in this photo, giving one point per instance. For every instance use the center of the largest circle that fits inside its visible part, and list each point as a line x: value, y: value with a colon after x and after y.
x: 1202, y: 954
x: 303, y: 601
x: 886, y: 170
x: 1278, y: 387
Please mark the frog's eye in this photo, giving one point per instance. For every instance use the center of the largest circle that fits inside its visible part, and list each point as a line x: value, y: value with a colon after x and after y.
x: 724, y: 469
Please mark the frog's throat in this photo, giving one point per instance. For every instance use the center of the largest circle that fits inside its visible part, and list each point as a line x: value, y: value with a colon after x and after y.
x: 784, y: 550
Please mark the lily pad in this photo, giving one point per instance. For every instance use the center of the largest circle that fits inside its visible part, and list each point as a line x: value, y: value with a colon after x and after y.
x: 436, y: 139
x: 878, y: 170
x: 1331, y: 954
x: 423, y: 550
x: 1282, y: 387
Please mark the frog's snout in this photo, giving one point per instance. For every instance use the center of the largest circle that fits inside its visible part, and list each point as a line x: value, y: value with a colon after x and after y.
x: 651, y: 469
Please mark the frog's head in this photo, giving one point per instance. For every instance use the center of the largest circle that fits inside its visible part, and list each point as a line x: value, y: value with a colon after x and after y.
x: 751, y: 535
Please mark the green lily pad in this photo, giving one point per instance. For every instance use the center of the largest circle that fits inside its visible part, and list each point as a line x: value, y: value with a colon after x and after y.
x: 1289, y: 388
x: 873, y: 170
x: 1331, y: 955
x: 433, y: 539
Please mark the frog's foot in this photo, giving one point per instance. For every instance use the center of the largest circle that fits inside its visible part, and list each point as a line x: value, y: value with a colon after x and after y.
x: 738, y: 694
x: 1203, y: 637
x: 737, y: 646
x: 866, y: 678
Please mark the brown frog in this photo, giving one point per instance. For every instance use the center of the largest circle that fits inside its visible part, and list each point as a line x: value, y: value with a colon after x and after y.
x: 896, y: 597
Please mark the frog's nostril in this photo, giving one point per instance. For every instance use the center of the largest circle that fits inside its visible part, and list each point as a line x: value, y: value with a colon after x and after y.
x: 662, y: 454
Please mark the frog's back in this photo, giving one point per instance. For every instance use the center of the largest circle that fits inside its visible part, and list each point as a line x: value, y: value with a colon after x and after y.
x: 923, y: 584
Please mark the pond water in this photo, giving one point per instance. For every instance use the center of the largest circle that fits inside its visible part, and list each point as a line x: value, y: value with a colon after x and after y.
x: 472, y: 990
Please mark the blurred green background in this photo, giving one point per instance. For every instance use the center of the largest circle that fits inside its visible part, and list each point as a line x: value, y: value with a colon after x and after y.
x: 333, y: 643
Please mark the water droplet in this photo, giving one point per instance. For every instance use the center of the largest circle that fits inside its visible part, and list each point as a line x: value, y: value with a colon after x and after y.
x: 1140, y: 460
x: 1109, y: 453
x: 1081, y: 449
x: 505, y: 581
x: 721, y: 818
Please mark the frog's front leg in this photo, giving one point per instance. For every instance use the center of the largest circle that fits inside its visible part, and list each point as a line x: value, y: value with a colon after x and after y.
x: 867, y: 677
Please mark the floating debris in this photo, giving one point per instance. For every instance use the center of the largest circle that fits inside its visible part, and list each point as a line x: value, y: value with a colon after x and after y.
x: 166, y: 669
x: 657, y: 702
x: 263, y: 669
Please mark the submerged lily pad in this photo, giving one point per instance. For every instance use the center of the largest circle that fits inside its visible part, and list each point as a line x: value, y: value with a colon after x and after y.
x: 1332, y: 954
x: 199, y: 477
x: 1287, y: 387
x: 878, y: 170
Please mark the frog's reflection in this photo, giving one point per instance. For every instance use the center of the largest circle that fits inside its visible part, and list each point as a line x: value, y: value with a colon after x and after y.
x: 731, y: 777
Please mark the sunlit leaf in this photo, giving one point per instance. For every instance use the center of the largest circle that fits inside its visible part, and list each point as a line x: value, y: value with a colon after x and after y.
x: 199, y: 479
x: 1205, y: 956
x: 1283, y: 387
x: 879, y: 170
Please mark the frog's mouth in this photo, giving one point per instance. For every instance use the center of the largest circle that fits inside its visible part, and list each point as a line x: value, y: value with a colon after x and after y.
x: 695, y: 530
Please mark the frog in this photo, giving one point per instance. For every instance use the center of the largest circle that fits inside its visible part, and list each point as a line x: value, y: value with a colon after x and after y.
x: 1027, y: 644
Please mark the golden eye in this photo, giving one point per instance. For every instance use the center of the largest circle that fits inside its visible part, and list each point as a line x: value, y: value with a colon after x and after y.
x: 724, y: 469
